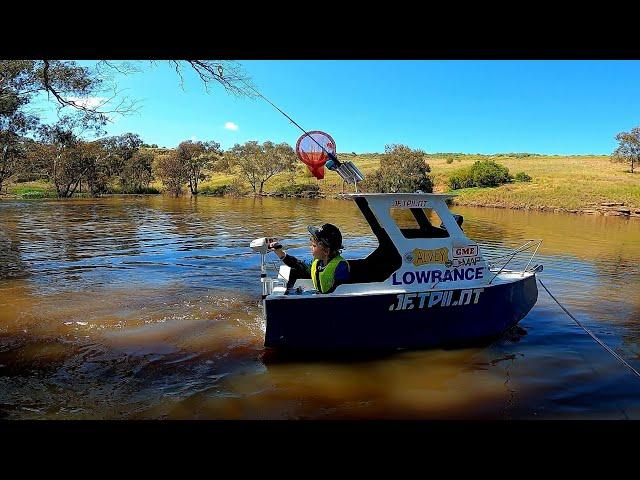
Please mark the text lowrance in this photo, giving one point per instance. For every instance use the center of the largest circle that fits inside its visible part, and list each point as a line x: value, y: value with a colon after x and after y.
x: 420, y: 300
x: 429, y: 276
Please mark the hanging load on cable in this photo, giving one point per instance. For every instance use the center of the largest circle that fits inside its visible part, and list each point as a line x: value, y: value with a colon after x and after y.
x: 317, y: 150
x: 313, y: 149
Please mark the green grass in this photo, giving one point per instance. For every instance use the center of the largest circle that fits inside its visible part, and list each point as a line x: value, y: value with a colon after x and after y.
x: 31, y: 190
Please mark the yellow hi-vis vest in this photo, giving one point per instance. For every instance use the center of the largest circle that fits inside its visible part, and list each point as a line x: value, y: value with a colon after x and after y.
x: 327, y: 276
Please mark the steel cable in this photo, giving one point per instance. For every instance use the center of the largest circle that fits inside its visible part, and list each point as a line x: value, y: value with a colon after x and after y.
x: 601, y: 343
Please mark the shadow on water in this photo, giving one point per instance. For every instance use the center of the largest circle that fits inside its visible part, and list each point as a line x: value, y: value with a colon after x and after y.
x: 146, y: 307
x: 272, y: 356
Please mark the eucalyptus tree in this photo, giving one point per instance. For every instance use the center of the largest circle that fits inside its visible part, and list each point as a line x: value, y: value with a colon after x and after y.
x: 89, y: 92
x: 258, y: 163
x: 198, y: 158
x: 628, y: 150
x: 171, y: 171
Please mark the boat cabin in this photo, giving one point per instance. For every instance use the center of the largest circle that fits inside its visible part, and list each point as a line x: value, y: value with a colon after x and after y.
x: 417, y: 256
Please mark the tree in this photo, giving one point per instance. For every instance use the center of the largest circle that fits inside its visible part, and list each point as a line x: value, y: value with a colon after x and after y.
x: 90, y: 97
x: 15, y: 124
x: 258, y: 163
x: 13, y: 154
x: 137, y: 172
x: 122, y: 149
x: 172, y: 172
x: 628, y: 150
x: 67, y: 159
x: 94, y: 159
x: 196, y: 158
x: 86, y: 93
x: 402, y: 170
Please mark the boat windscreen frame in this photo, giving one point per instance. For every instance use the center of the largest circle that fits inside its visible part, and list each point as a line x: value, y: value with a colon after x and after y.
x: 385, y: 258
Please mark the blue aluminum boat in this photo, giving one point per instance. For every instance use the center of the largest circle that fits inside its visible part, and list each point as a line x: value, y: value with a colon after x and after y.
x: 423, y: 286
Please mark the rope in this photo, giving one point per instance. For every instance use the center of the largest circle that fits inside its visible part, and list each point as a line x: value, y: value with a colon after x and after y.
x: 618, y: 357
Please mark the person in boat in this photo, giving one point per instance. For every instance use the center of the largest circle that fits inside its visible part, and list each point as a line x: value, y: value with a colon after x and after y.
x: 328, y: 269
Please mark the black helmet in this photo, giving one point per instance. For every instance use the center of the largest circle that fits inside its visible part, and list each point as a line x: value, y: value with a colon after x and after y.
x: 327, y: 234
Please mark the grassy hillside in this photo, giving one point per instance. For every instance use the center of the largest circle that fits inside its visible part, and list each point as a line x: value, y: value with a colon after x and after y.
x: 570, y: 183
x: 564, y: 182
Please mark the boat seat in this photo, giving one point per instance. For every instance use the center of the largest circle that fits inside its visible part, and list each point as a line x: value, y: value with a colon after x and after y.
x: 377, y: 267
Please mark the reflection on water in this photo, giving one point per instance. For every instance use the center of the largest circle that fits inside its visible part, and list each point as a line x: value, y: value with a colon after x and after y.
x: 146, y: 307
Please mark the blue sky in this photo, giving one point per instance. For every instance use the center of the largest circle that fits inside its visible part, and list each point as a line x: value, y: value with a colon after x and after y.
x: 552, y: 107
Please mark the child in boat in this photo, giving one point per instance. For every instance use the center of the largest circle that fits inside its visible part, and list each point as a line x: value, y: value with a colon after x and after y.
x: 328, y: 269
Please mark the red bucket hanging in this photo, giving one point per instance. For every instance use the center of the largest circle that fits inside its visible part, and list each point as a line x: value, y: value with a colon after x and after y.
x: 311, y: 152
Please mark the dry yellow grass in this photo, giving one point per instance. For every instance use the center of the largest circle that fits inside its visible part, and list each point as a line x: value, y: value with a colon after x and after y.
x: 566, y: 182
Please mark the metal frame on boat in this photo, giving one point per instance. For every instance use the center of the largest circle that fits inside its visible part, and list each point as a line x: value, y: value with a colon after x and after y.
x: 421, y: 287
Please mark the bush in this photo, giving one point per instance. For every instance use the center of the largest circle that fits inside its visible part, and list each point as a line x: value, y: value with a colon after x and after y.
x: 33, y: 194
x: 237, y: 188
x: 402, y: 170
x: 461, y: 179
x: 522, y: 177
x: 489, y: 174
x: 310, y: 190
x: 486, y: 173
x: 218, y: 190
x: 449, y: 161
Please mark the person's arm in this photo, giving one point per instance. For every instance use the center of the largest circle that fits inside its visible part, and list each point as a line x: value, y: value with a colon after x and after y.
x: 303, y: 269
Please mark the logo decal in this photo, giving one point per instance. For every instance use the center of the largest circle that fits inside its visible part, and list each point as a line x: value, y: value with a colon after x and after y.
x: 422, y: 257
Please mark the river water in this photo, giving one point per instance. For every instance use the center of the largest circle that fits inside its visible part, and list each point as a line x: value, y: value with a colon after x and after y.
x: 146, y: 308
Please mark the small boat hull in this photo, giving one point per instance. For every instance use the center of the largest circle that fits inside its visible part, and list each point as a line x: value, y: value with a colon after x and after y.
x: 388, y: 320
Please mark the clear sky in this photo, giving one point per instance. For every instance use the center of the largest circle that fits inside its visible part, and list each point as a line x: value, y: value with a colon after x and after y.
x: 496, y: 106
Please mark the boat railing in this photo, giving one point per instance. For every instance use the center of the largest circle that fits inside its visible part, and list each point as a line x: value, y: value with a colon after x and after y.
x: 506, y: 258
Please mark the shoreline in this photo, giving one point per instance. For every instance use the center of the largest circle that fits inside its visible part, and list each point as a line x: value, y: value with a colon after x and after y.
x: 607, y: 209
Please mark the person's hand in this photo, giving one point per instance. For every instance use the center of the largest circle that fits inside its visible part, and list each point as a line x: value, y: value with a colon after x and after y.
x: 274, y: 246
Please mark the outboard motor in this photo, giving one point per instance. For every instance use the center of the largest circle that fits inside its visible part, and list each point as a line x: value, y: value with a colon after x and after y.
x: 261, y: 245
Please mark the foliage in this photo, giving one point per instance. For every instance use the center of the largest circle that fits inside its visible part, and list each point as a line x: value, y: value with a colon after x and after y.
x: 137, y: 173
x: 196, y: 158
x: 299, y: 190
x: 217, y: 191
x: 122, y: 149
x: 258, y: 163
x: 489, y: 174
x: 67, y: 159
x: 449, y: 161
x: 32, y: 191
x: 483, y: 173
x: 461, y: 178
x: 402, y: 169
x: 172, y: 172
x: 522, y: 177
x: 86, y: 99
x: 15, y: 123
x: 628, y: 150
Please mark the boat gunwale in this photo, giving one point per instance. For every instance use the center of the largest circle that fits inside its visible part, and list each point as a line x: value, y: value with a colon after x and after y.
x: 400, y: 291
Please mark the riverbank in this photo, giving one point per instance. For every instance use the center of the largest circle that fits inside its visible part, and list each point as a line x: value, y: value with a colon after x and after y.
x: 573, y: 184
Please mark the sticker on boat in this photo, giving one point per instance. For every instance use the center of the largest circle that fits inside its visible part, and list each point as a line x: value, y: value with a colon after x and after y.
x: 420, y: 256
x: 421, y: 300
x: 431, y: 276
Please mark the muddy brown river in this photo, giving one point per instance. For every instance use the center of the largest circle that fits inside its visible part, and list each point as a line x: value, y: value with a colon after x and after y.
x: 147, y: 308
